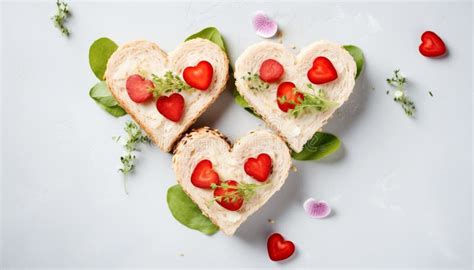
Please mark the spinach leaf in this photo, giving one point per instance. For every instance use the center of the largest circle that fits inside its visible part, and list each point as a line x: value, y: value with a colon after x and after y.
x: 320, y: 145
x: 101, y: 95
x: 187, y: 212
x: 358, y: 56
x: 212, y: 34
x: 243, y: 103
x: 99, y: 53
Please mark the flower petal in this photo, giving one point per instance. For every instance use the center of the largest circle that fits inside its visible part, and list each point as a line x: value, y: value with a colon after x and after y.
x: 263, y: 25
x: 316, y: 209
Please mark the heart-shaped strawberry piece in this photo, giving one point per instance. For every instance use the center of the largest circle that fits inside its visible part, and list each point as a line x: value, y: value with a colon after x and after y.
x: 259, y: 168
x: 432, y: 45
x: 228, y: 196
x: 322, y: 71
x: 138, y: 88
x: 271, y: 71
x: 203, y: 175
x: 288, y: 97
x: 199, y: 76
x: 171, y: 107
x: 279, y: 248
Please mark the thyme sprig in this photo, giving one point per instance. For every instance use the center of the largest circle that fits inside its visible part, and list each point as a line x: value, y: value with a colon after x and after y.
x: 168, y: 83
x: 400, y: 96
x: 62, y: 14
x: 254, y: 82
x: 134, y: 137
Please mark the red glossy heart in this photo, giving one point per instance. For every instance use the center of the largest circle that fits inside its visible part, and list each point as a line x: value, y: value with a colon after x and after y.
x: 234, y: 200
x: 288, y: 97
x: 138, y: 88
x: 259, y: 168
x: 171, y: 107
x: 199, y: 76
x: 322, y: 71
x: 432, y: 45
x: 279, y: 248
x: 203, y: 175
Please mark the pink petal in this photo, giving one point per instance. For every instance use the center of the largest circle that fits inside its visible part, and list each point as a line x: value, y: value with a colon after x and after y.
x: 263, y: 25
x: 316, y: 209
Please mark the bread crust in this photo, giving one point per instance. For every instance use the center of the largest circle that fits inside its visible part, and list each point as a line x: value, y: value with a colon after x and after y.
x: 295, y: 131
x: 229, y: 158
x: 117, y: 71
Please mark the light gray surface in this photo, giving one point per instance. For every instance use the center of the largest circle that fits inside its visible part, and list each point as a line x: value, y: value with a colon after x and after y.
x: 401, y: 189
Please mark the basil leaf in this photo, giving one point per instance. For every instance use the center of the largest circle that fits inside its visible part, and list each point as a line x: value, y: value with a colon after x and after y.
x: 100, y: 93
x: 99, y: 53
x: 187, y: 212
x: 358, y: 56
x: 212, y: 34
x: 116, y: 111
x: 320, y: 145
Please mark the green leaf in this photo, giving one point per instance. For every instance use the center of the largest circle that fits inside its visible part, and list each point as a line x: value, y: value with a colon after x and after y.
x: 101, y: 95
x: 187, y: 212
x: 212, y: 34
x: 116, y: 111
x: 243, y: 103
x: 358, y: 56
x: 99, y: 53
x: 321, y: 145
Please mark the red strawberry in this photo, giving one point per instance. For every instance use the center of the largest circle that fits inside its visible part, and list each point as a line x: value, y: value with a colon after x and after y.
x: 431, y: 45
x: 137, y: 88
x: 271, y: 71
x: 288, y: 97
x: 203, y: 175
x: 199, y: 76
x: 228, y: 196
x: 171, y: 107
x: 259, y: 168
x: 322, y: 71
x: 279, y: 248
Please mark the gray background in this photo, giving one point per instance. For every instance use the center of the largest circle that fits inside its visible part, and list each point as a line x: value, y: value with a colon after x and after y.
x: 400, y: 188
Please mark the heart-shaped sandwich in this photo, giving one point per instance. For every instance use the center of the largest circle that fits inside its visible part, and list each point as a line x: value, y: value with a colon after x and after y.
x: 227, y: 182
x: 295, y: 95
x: 165, y: 94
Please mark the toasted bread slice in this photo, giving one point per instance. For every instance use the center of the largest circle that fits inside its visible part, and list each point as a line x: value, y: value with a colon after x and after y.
x: 296, y: 131
x: 146, y: 58
x: 228, y: 161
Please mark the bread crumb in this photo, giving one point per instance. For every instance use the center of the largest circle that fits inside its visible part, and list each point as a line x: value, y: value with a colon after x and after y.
x: 271, y: 221
x: 293, y: 47
x: 293, y: 168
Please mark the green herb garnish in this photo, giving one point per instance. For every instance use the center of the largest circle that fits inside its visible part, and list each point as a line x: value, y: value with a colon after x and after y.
x: 254, y: 82
x: 62, y: 14
x: 130, y: 143
x: 317, y: 102
x: 431, y: 94
x: 169, y: 82
x: 400, y: 95
x: 320, y: 145
x: 243, y: 191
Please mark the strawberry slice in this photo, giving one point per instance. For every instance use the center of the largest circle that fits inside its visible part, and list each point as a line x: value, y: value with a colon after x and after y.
x: 227, y: 195
x: 278, y: 248
x: 432, y: 45
x: 322, y: 71
x: 203, y: 175
x: 288, y: 97
x: 259, y: 168
x: 171, y: 107
x: 271, y: 71
x: 199, y: 76
x: 138, y: 88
